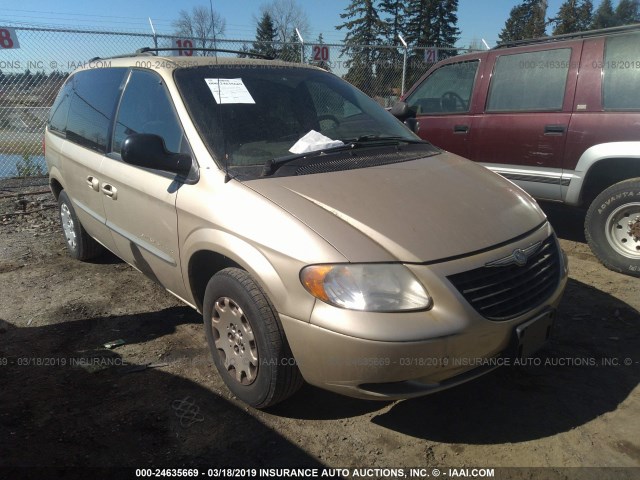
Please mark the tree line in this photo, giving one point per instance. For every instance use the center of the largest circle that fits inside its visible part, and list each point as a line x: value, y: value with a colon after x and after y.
x: 529, y: 18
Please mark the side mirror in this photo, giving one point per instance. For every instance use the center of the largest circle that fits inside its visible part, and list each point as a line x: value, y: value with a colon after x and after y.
x: 413, y: 124
x: 148, y: 150
x: 407, y: 115
x: 402, y: 111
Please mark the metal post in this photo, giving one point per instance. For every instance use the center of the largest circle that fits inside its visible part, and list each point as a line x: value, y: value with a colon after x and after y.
x: 301, y: 46
x: 404, y: 64
x: 155, y: 38
x: 213, y: 29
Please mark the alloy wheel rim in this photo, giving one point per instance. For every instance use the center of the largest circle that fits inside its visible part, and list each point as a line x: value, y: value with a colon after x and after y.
x: 234, y: 341
x: 67, y: 226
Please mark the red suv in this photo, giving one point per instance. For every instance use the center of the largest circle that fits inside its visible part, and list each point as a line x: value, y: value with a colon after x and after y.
x: 559, y: 116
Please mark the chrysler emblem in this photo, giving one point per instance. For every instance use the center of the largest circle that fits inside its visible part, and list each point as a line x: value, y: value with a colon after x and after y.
x: 519, y: 257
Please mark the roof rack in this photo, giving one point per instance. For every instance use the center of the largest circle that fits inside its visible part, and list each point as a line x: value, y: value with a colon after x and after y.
x: 195, y: 49
x: 569, y: 36
x: 146, y: 51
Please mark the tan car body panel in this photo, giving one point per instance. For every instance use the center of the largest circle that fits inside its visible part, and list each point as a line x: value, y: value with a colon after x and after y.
x: 405, y: 222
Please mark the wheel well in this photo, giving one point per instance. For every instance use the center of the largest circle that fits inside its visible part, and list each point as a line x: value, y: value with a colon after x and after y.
x: 606, y: 173
x: 202, y: 266
x: 56, y: 187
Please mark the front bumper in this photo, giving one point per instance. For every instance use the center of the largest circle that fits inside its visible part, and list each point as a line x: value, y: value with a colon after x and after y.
x: 403, y: 355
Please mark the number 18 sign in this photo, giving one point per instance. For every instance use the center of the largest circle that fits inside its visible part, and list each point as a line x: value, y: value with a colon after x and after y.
x: 8, y: 38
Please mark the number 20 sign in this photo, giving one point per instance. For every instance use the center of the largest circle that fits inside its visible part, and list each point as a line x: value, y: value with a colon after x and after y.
x: 8, y: 38
x: 320, y: 53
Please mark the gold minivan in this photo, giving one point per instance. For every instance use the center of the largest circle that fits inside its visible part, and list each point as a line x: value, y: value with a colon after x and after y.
x: 319, y: 237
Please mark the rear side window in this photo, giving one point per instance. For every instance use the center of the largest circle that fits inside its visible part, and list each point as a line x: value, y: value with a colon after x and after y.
x: 147, y: 108
x: 60, y: 110
x: 621, y: 82
x: 447, y: 90
x: 529, y: 82
x: 93, y: 100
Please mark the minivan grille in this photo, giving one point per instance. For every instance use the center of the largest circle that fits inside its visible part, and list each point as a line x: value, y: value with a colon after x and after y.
x: 502, y: 293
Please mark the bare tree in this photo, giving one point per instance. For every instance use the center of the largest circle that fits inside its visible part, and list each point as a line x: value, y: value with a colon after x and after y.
x: 287, y: 15
x: 200, y: 25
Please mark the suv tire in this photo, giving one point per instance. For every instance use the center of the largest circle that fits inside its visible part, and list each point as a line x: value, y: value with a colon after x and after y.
x: 247, y: 341
x: 612, y: 227
x: 79, y: 243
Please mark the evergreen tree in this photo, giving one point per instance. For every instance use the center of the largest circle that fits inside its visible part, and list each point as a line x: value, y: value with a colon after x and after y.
x: 291, y: 50
x: 364, y: 27
x: 265, y: 36
x: 389, y: 64
x: 628, y: 12
x: 418, y: 24
x: 393, y: 13
x: 573, y: 16
x: 526, y: 20
x: 604, y: 17
x: 444, y: 31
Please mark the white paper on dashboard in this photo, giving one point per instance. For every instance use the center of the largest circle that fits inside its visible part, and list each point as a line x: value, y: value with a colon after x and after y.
x: 314, y: 141
x: 229, y: 90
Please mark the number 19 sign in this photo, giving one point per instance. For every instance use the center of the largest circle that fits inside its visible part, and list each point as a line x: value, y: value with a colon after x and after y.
x: 185, y: 45
x: 8, y: 38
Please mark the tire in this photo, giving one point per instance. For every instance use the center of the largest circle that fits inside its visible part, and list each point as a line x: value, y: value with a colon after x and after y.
x: 79, y: 244
x: 612, y: 227
x: 247, y: 341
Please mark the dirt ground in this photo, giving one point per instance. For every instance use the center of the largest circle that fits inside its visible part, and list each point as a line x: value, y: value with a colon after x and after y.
x: 156, y: 400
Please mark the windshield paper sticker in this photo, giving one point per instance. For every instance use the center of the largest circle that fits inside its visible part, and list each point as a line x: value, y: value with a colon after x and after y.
x: 229, y: 90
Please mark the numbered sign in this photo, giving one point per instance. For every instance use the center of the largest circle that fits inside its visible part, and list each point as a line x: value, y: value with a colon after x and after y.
x: 431, y: 55
x: 320, y: 53
x: 8, y: 38
x: 184, y: 43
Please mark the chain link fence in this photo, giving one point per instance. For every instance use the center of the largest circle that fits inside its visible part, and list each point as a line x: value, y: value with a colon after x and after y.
x: 34, y: 63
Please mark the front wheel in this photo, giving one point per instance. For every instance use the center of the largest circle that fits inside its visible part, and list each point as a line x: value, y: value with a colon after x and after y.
x: 246, y: 339
x: 612, y: 227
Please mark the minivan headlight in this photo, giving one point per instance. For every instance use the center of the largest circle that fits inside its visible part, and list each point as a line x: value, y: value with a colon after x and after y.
x: 367, y: 287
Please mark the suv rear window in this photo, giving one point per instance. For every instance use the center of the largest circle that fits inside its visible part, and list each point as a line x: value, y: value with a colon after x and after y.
x: 621, y: 69
x: 532, y: 81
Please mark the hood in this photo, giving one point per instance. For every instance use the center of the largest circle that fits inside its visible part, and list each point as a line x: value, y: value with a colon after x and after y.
x: 418, y: 211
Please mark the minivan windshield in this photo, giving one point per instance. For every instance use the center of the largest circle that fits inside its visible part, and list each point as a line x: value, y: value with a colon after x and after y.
x: 253, y: 114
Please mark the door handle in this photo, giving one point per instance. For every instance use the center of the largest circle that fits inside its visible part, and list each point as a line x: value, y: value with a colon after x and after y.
x: 110, y: 191
x: 460, y: 128
x: 554, y: 129
x: 93, y: 183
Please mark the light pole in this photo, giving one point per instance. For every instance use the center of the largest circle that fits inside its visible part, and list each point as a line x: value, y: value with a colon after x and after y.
x: 404, y: 64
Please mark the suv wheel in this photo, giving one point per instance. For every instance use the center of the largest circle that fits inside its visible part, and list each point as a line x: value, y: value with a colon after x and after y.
x: 612, y: 227
x: 247, y: 341
x: 79, y: 243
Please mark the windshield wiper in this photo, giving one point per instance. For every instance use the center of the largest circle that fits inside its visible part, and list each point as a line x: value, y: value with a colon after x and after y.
x: 380, y: 138
x: 272, y: 165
